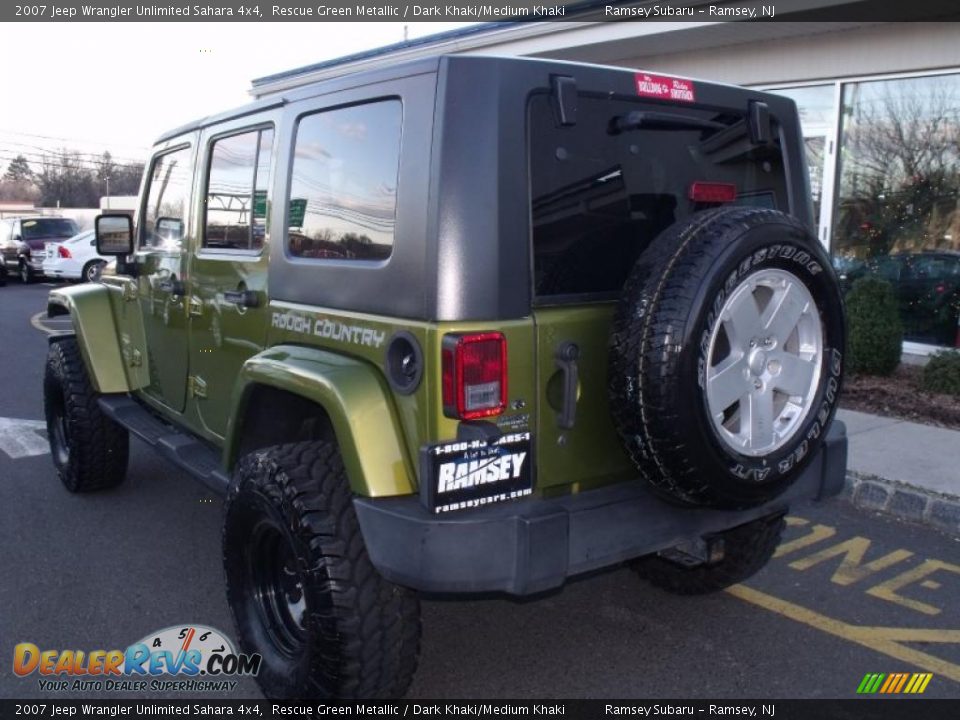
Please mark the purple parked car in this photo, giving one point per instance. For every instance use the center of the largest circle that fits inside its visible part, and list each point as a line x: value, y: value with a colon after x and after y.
x: 22, y: 243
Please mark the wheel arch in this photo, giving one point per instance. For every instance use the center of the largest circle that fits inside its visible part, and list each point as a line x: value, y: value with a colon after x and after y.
x: 97, y: 334
x: 290, y: 393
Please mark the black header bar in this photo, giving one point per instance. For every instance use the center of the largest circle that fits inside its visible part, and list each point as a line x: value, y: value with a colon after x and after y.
x: 855, y: 709
x: 516, y: 11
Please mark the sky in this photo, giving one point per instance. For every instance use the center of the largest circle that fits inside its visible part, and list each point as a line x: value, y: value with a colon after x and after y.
x: 117, y: 86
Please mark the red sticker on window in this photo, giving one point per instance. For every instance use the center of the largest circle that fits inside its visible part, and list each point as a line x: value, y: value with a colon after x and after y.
x: 667, y: 88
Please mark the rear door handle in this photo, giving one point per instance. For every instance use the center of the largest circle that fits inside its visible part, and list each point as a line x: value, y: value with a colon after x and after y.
x: 245, y: 298
x: 566, y: 358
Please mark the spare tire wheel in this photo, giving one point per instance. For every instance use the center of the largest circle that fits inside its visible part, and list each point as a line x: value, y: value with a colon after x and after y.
x: 727, y: 356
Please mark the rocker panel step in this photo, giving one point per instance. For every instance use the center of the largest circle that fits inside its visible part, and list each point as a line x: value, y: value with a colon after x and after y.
x: 184, y: 450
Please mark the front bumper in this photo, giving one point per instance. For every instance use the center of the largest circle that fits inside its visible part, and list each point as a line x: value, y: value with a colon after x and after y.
x: 531, y: 545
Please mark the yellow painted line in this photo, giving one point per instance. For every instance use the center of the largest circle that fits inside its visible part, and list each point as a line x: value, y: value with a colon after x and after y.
x: 926, y: 681
x: 879, y: 639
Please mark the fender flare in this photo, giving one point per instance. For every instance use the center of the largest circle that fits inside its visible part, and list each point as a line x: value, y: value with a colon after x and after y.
x: 89, y: 308
x: 354, y: 397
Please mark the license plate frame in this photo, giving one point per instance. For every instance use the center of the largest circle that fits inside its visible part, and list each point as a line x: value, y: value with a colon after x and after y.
x: 463, y: 474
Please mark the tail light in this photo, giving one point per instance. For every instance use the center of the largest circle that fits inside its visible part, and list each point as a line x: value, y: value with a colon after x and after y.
x: 474, y: 370
x: 63, y: 252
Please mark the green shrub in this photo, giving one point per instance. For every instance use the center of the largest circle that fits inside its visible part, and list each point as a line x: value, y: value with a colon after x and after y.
x: 875, y: 338
x: 942, y: 373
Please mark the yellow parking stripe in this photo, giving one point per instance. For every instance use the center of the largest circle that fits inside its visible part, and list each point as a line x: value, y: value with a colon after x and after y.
x: 880, y: 639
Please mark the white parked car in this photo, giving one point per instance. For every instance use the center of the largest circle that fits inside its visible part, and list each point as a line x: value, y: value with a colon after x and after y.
x: 74, y: 259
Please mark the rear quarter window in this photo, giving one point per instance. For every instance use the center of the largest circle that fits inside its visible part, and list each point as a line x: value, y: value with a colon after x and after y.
x: 599, y: 196
x: 343, y: 189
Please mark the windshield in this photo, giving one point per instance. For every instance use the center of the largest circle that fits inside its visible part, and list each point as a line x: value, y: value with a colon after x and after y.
x: 48, y: 227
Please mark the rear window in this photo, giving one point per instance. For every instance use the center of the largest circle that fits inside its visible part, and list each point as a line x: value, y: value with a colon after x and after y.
x: 48, y: 227
x: 599, y: 195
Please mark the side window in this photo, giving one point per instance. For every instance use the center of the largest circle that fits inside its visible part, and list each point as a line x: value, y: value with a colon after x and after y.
x: 343, y: 193
x: 167, y: 199
x: 236, y: 205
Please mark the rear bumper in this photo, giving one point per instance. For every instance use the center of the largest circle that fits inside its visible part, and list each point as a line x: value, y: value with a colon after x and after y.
x: 532, y: 545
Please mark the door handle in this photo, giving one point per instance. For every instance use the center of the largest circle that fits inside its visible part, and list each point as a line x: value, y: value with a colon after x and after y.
x: 174, y: 287
x: 566, y: 358
x: 245, y: 298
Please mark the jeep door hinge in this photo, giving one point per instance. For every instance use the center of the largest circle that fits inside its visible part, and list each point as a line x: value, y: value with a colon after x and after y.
x: 197, y: 386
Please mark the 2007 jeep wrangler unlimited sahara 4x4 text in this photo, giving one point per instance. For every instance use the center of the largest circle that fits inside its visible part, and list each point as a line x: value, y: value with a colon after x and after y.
x: 459, y: 325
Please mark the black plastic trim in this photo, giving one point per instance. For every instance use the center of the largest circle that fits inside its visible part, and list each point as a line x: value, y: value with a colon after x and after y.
x: 532, y: 545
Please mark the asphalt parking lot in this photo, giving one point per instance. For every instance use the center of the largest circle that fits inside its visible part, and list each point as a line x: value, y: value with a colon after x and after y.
x: 850, y: 593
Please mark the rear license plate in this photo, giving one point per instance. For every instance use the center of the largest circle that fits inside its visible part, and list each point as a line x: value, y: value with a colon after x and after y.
x: 470, y: 473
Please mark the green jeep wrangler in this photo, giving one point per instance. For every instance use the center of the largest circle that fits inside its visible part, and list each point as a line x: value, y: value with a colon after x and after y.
x: 463, y: 325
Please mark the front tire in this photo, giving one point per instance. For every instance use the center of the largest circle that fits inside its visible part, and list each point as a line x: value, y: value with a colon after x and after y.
x: 26, y: 274
x: 745, y: 550
x: 90, y: 451
x: 301, y: 586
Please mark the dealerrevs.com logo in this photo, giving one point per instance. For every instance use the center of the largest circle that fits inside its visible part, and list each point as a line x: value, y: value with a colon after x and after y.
x: 200, y: 658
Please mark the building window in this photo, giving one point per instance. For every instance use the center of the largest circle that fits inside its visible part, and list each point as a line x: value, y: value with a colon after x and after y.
x: 343, y: 193
x: 897, y: 212
x: 236, y: 208
x: 817, y: 118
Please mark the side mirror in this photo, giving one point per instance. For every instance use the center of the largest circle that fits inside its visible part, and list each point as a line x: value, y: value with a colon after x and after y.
x: 169, y: 229
x: 114, y: 234
x: 17, y: 238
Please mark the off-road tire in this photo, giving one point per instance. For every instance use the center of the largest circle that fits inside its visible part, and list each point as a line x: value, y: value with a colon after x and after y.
x: 360, y: 635
x: 658, y: 359
x: 90, y: 451
x: 746, y: 550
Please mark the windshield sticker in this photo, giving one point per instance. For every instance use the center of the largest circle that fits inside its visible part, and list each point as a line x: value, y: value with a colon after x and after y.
x: 666, y: 88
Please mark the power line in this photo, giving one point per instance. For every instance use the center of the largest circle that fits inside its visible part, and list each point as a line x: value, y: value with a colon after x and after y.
x: 145, y: 148
x: 60, y: 151
x: 73, y: 162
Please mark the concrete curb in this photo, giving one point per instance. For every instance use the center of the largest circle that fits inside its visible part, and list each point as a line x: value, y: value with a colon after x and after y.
x: 904, y: 501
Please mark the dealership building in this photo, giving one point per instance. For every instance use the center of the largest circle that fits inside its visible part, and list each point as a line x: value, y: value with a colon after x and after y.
x: 879, y: 106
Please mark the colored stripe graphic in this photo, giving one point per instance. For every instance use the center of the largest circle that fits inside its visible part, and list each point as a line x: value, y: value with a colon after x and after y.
x: 894, y: 683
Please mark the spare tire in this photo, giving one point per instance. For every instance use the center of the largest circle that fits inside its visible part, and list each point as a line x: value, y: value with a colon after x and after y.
x: 727, y: 356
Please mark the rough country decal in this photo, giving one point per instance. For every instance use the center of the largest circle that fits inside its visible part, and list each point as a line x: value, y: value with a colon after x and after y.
x: 471, y: 473
x: 328, y: 329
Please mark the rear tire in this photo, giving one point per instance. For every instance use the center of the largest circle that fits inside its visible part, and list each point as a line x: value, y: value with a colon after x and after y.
x: 90, y: 451
x: 91, y: 271
x: 301, y: 586
x: 746, y: 549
